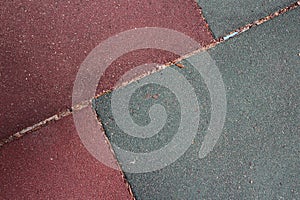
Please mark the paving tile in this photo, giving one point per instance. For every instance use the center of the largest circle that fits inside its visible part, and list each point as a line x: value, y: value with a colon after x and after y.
x: 257, y: 155
x: 43, y: 44
x: 226, y: 16
x: 52, y: 163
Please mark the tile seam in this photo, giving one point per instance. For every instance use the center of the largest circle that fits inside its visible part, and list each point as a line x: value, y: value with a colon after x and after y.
x: 204, y: 19
x: 82, y: 105
x: 241, y: 30
x: 128, y: 186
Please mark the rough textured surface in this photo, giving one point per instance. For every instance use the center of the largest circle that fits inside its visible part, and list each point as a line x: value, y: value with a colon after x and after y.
x: 228, y: 15
x: 51, y: 163
x: 257, y: 155
x: 43, y: 43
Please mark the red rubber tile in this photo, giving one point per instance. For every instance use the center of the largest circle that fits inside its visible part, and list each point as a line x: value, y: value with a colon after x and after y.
x: 44, y: 42
x: 52, y: 163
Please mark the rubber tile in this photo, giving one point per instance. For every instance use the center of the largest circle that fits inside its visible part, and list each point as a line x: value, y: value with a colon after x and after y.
x: 43, y: 44
x: 257, y: 153
x: 52, y: 163
x: 228, y: 15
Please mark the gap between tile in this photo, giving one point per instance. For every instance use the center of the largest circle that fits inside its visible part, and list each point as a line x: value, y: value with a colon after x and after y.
x: 84, y: 104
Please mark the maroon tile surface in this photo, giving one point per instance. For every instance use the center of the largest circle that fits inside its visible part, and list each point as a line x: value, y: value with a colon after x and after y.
x: 43, y: 43
x: 51, y: 163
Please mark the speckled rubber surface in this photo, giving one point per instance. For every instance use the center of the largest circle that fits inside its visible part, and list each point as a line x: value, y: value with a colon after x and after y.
x: 257, y: 155
x: 43, y: 43
x: 227, y: 15
x: 52, y: 163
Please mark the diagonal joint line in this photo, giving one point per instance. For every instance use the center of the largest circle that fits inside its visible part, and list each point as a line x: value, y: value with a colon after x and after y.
x: 84, y: 104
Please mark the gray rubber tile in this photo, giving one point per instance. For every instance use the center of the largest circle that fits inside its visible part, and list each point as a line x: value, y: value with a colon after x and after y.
x: 228, y: 15
x: 257, y: 154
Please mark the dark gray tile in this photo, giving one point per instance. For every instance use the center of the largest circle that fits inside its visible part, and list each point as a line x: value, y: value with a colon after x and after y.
x: 228, y: 15
x: 257, y: 155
